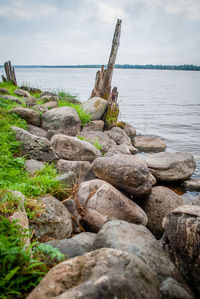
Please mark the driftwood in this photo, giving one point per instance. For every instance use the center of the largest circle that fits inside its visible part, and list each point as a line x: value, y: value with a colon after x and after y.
x: 10, y: 73
x: 103, y: 78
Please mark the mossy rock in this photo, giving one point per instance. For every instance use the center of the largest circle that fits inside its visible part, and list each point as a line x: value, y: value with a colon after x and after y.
x: 111, y: 116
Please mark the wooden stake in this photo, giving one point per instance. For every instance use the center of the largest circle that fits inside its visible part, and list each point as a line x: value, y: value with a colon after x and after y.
x: 10, y: 72
x: 103, y: 78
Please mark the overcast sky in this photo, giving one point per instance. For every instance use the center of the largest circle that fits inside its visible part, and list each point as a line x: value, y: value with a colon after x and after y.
x: 61, y: 32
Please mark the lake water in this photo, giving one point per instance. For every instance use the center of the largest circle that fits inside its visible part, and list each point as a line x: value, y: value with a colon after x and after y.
x: 162, y: 103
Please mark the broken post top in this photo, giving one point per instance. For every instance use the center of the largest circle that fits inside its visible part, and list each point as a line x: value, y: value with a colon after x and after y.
x: 103, y: 78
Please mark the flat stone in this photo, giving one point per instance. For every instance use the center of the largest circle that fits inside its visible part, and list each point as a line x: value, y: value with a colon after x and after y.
x: 145, y: 143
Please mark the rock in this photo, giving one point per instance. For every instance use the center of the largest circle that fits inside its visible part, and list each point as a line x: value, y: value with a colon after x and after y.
x: 119, y: 136
x: 31, y: 116
x: 68, y: 179
x: 32, y: 166
x: 104, y: 273
x: 34, y: 147
x: 22, y: 93
x: 171, y: 167
x: 145, y: 143
x: 21, y: 198
x: 72, y: 148
x: 121, y: 149
x: 31, y: 89
x: 126, y: 172
x: 76, y: 246
x: 30, y: 102
x: 171, y: 289
x: 49, y: 98
x: 48, y: 93
x: 182, y: 235
x: 102, y: 202
x: 95, y: 125
x: 4, y: 91
x: 23, y: 222
x: 11, y: 98
x: 36, y: 131
x: 51, y: 104
x: 55, y: 222
x: 63, y: 120
x: 50, y: 134
x: 76, y: 217
x: 99, y: 137
x: 96, y: 107
x: 40, y: 108
x: 82, y: 169
x: 193, y: 184
x: 138, y: 241
x: 130, y: 131
x: 161, y: 201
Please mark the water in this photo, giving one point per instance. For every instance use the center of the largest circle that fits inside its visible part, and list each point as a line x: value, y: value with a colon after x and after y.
x: 158, y: 102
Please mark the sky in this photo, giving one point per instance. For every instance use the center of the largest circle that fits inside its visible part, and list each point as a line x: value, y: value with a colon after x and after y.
x: 70, y: 32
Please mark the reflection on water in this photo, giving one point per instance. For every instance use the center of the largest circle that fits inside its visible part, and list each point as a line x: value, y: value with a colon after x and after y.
x: 162, y: 103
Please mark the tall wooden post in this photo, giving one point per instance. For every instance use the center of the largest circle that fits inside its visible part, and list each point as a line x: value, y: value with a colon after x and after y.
x: 10, y: 73
x: 102, y: 87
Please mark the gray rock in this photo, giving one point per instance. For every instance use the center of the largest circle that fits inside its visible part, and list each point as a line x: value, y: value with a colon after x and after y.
x: 55, y: 222
x: 68, y: 179
x: 102, y: 202
x: 32, y: 166
x: 193, y: 184
x: 30, y: 102
x: 63, y: 120
x: 121, y: 149
x: 95, y: 125
x: 119, y: 136
x: 72, y: 148
x: 70, y: 204
x: 4, y: 91
x: 40, y: 108
x: 48, y: 93
x: 34, y: 147
x: 104, y: 273
x: 49, y: 98
x: 96, y: 136
x: 50, y: 134
x: 31, y: 116
x: 182, y: 237
x: 11, y: 98
x: 145, y: 143
x: 31, y: 89
x: 76, y: 246
x: 82, y: 169
x: 161, y: 201
x: 126, y: 172
x: 137, y: 240
x: 22, y: 93
x: 171, y: 167
x: 130, y: 131
x: 96, y: 107
x: 36, y: 131
x: 22, y: 220
x: 171, y: 289
x: 51, y: 104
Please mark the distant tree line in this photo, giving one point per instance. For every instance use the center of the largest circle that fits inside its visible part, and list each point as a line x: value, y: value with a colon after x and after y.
x: 184, y: 67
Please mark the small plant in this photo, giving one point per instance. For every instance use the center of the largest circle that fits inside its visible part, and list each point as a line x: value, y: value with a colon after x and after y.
x: 49, y: 254
x: 20, y: 270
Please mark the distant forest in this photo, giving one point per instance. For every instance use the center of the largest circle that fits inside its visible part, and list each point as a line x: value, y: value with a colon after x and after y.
x: 184, y: 67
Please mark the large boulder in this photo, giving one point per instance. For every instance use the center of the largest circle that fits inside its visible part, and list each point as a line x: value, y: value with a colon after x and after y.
x: 126, y: 172
x: 182, y: 237
x: 171, y: 167
x: 54, y: 223
x: 161, y: 201
x: 75, y: 246
x: 95, y: 125
x: 72, y: 148
x: 22, y: 93
x: 102, y: 202
x: 145, y: 143
x: 137, y: 240
x: 34, y: 147
x: 82, y: 169
x: 119, y: 136
x: 36, y: 131
x: 31, y: 116
x: 104, y: 273
x: 98, y: 137
x: 96, y: 107
x: 63, y: 120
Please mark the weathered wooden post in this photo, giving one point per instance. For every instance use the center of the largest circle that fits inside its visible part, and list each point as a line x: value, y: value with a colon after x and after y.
x: 103, y: 79
x: 10, y: 73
